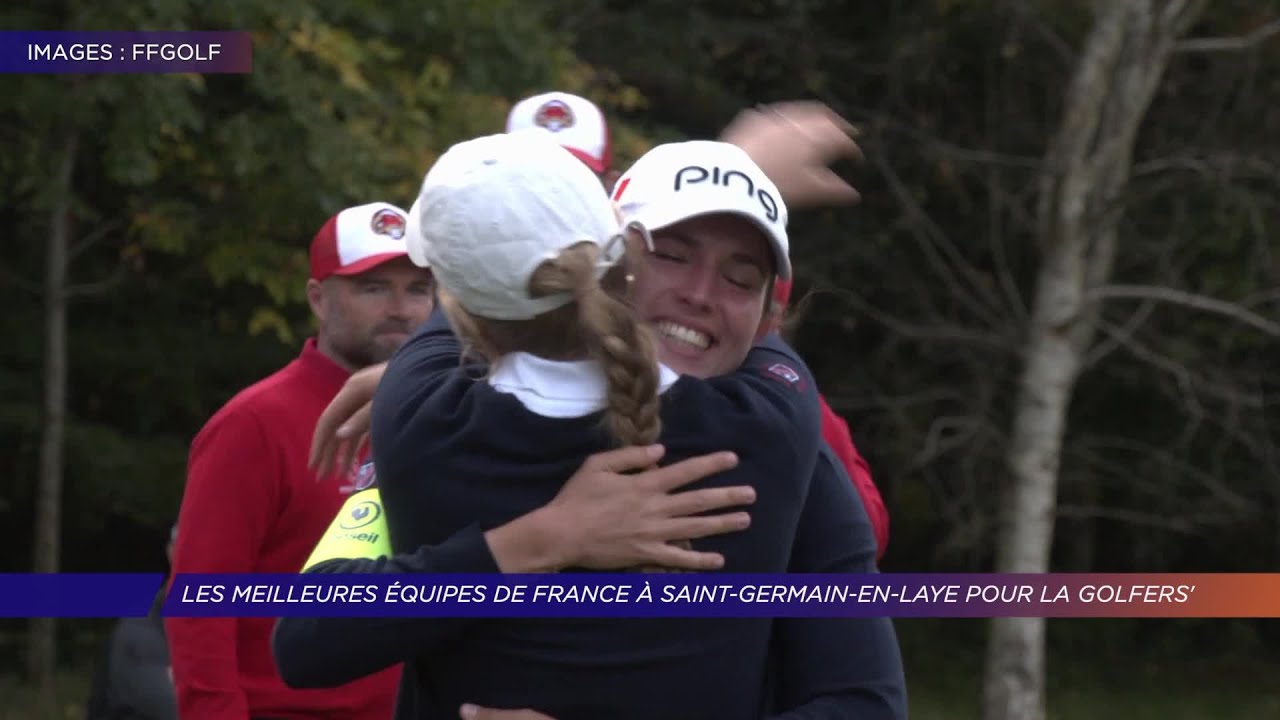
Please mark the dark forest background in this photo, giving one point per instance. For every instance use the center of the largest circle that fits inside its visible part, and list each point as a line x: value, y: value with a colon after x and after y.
x: 162, y: 222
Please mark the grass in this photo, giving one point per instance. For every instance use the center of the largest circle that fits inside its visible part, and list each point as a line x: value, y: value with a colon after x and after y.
x: 1114, y: 690
x: 944, y: 665
x: 944, y: 677
x: 19, y: 701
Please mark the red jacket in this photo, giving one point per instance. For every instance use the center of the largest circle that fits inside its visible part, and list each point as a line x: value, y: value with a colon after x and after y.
x: 252, y: 505
x: 836, y: 432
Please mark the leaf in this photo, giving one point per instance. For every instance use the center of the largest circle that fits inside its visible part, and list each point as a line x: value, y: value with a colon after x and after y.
x: 268, y: 318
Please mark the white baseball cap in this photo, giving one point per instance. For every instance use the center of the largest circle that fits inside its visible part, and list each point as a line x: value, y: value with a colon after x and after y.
x: 358, y: 239
x: 575, y: 122
x: 492, y: 209
x: 679, y: 181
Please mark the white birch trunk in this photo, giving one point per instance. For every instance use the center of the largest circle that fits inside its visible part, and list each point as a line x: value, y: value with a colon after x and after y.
x: 1086, y: 168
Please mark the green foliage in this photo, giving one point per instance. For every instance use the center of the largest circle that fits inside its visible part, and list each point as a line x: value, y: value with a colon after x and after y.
x: 204, y: 192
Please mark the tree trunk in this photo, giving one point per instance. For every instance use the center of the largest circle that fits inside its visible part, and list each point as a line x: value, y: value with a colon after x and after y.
x: 1086, y: 168
x: 45, y: 547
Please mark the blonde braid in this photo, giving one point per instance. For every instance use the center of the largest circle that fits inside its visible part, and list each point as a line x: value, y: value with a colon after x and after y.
x: 615, y: 337
x: 598, y: 322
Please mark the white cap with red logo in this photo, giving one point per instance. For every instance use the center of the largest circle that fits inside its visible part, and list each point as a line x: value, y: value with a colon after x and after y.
x: 358, y: 239
x: 576, y: 123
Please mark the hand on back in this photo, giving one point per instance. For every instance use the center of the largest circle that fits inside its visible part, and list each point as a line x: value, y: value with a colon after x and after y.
x: 613, y: 519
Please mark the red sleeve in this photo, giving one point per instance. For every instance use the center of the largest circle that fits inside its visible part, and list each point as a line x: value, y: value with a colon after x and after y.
x: 231, y: 495
x: 836, y: 432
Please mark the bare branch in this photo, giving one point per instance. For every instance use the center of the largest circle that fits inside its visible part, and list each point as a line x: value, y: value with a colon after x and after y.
x: 19, y: 282
x: 1172, y: 462
x: 1254, y: 212
x: 936, y: 144
x: 1180, y: 373
x: 1262, y: 298
x: 1055, y: 41
x: 1191, y: 300
x: 1209, y: 165
x: 99, y: 286
x: 941, y: 253
x: 89, y: 240
x: 980, y: 156
x: 999, y: 201
x: 943, y: 333
x: 950, y: 433
x: 1122, y: 335
x: 1183, y: 524
x: 856, y: 404
x: 1229, y: 44
x: 1187, y: 380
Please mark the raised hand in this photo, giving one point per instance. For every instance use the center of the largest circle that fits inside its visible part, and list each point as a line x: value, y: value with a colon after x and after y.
x: 794, y: 143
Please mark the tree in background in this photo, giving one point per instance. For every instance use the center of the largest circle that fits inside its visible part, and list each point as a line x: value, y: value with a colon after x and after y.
x: 1049, y: 322
x: 1079, y: 207
x: 193, y: 199
x: 178, y: 210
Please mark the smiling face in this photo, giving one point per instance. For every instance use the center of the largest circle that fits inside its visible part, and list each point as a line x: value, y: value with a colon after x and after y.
x: 703, y: 290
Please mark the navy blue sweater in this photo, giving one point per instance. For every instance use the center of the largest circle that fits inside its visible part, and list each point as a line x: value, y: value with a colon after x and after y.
x: 452, y: 451
x: 833, y: 668
x: 445, y: 475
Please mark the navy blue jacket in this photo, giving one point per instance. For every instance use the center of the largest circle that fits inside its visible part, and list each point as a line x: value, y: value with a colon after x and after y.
x: 445, y: 476
x: 832, y: 668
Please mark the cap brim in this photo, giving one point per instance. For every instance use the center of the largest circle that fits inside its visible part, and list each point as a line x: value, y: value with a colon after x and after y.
x: 596, y: 165
x: 657, y: 221
x: 369, y: 263
x: 413, y: 239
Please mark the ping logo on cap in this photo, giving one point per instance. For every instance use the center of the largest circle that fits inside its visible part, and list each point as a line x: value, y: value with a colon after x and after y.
x: 389, y: 223
x: 696, y: 174
x: 554, y: 115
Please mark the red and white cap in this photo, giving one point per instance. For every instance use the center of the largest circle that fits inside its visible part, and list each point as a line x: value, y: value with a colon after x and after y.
x: 358, y: 239
x: 577, y: 124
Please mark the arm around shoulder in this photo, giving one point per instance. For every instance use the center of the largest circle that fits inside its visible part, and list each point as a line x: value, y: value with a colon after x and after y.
x: 318, y: 652
x: 315, y: 652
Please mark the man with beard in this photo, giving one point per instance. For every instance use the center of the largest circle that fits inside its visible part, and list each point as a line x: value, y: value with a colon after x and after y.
x: 251, y: 504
